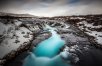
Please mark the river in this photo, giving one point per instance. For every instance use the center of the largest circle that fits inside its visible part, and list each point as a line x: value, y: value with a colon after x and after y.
x: 47, y: 52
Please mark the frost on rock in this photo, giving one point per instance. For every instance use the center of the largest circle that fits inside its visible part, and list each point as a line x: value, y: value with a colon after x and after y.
x: 70, y: 53
x: 12, y: 37
x: 91, y: 30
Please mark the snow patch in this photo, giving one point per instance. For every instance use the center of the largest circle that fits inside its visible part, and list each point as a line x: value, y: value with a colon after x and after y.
x: 13, y: 38
x: 84, y: 25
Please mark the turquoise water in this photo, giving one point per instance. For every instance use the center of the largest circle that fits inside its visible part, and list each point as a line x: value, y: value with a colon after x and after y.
x: 49, y: 47
x: 46, y: 53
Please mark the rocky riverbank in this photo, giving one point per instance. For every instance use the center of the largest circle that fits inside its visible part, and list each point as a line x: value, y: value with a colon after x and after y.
x: 19, y: 34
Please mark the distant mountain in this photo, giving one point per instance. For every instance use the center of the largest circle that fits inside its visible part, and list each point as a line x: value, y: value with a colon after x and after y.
x: 16, y: 15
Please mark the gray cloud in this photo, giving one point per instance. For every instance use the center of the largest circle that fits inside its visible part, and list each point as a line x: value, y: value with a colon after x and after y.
x: 52, y: 7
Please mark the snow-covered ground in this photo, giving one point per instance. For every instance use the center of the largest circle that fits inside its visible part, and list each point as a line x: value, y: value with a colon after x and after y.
x: 12, y: 36
x: 86, y: 27
x: 77, y: 18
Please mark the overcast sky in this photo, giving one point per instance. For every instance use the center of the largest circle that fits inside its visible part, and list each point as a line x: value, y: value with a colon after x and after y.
x: 52, y: 7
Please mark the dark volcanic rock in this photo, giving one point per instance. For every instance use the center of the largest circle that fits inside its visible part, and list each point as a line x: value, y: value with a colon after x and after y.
x: 81, y: 33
